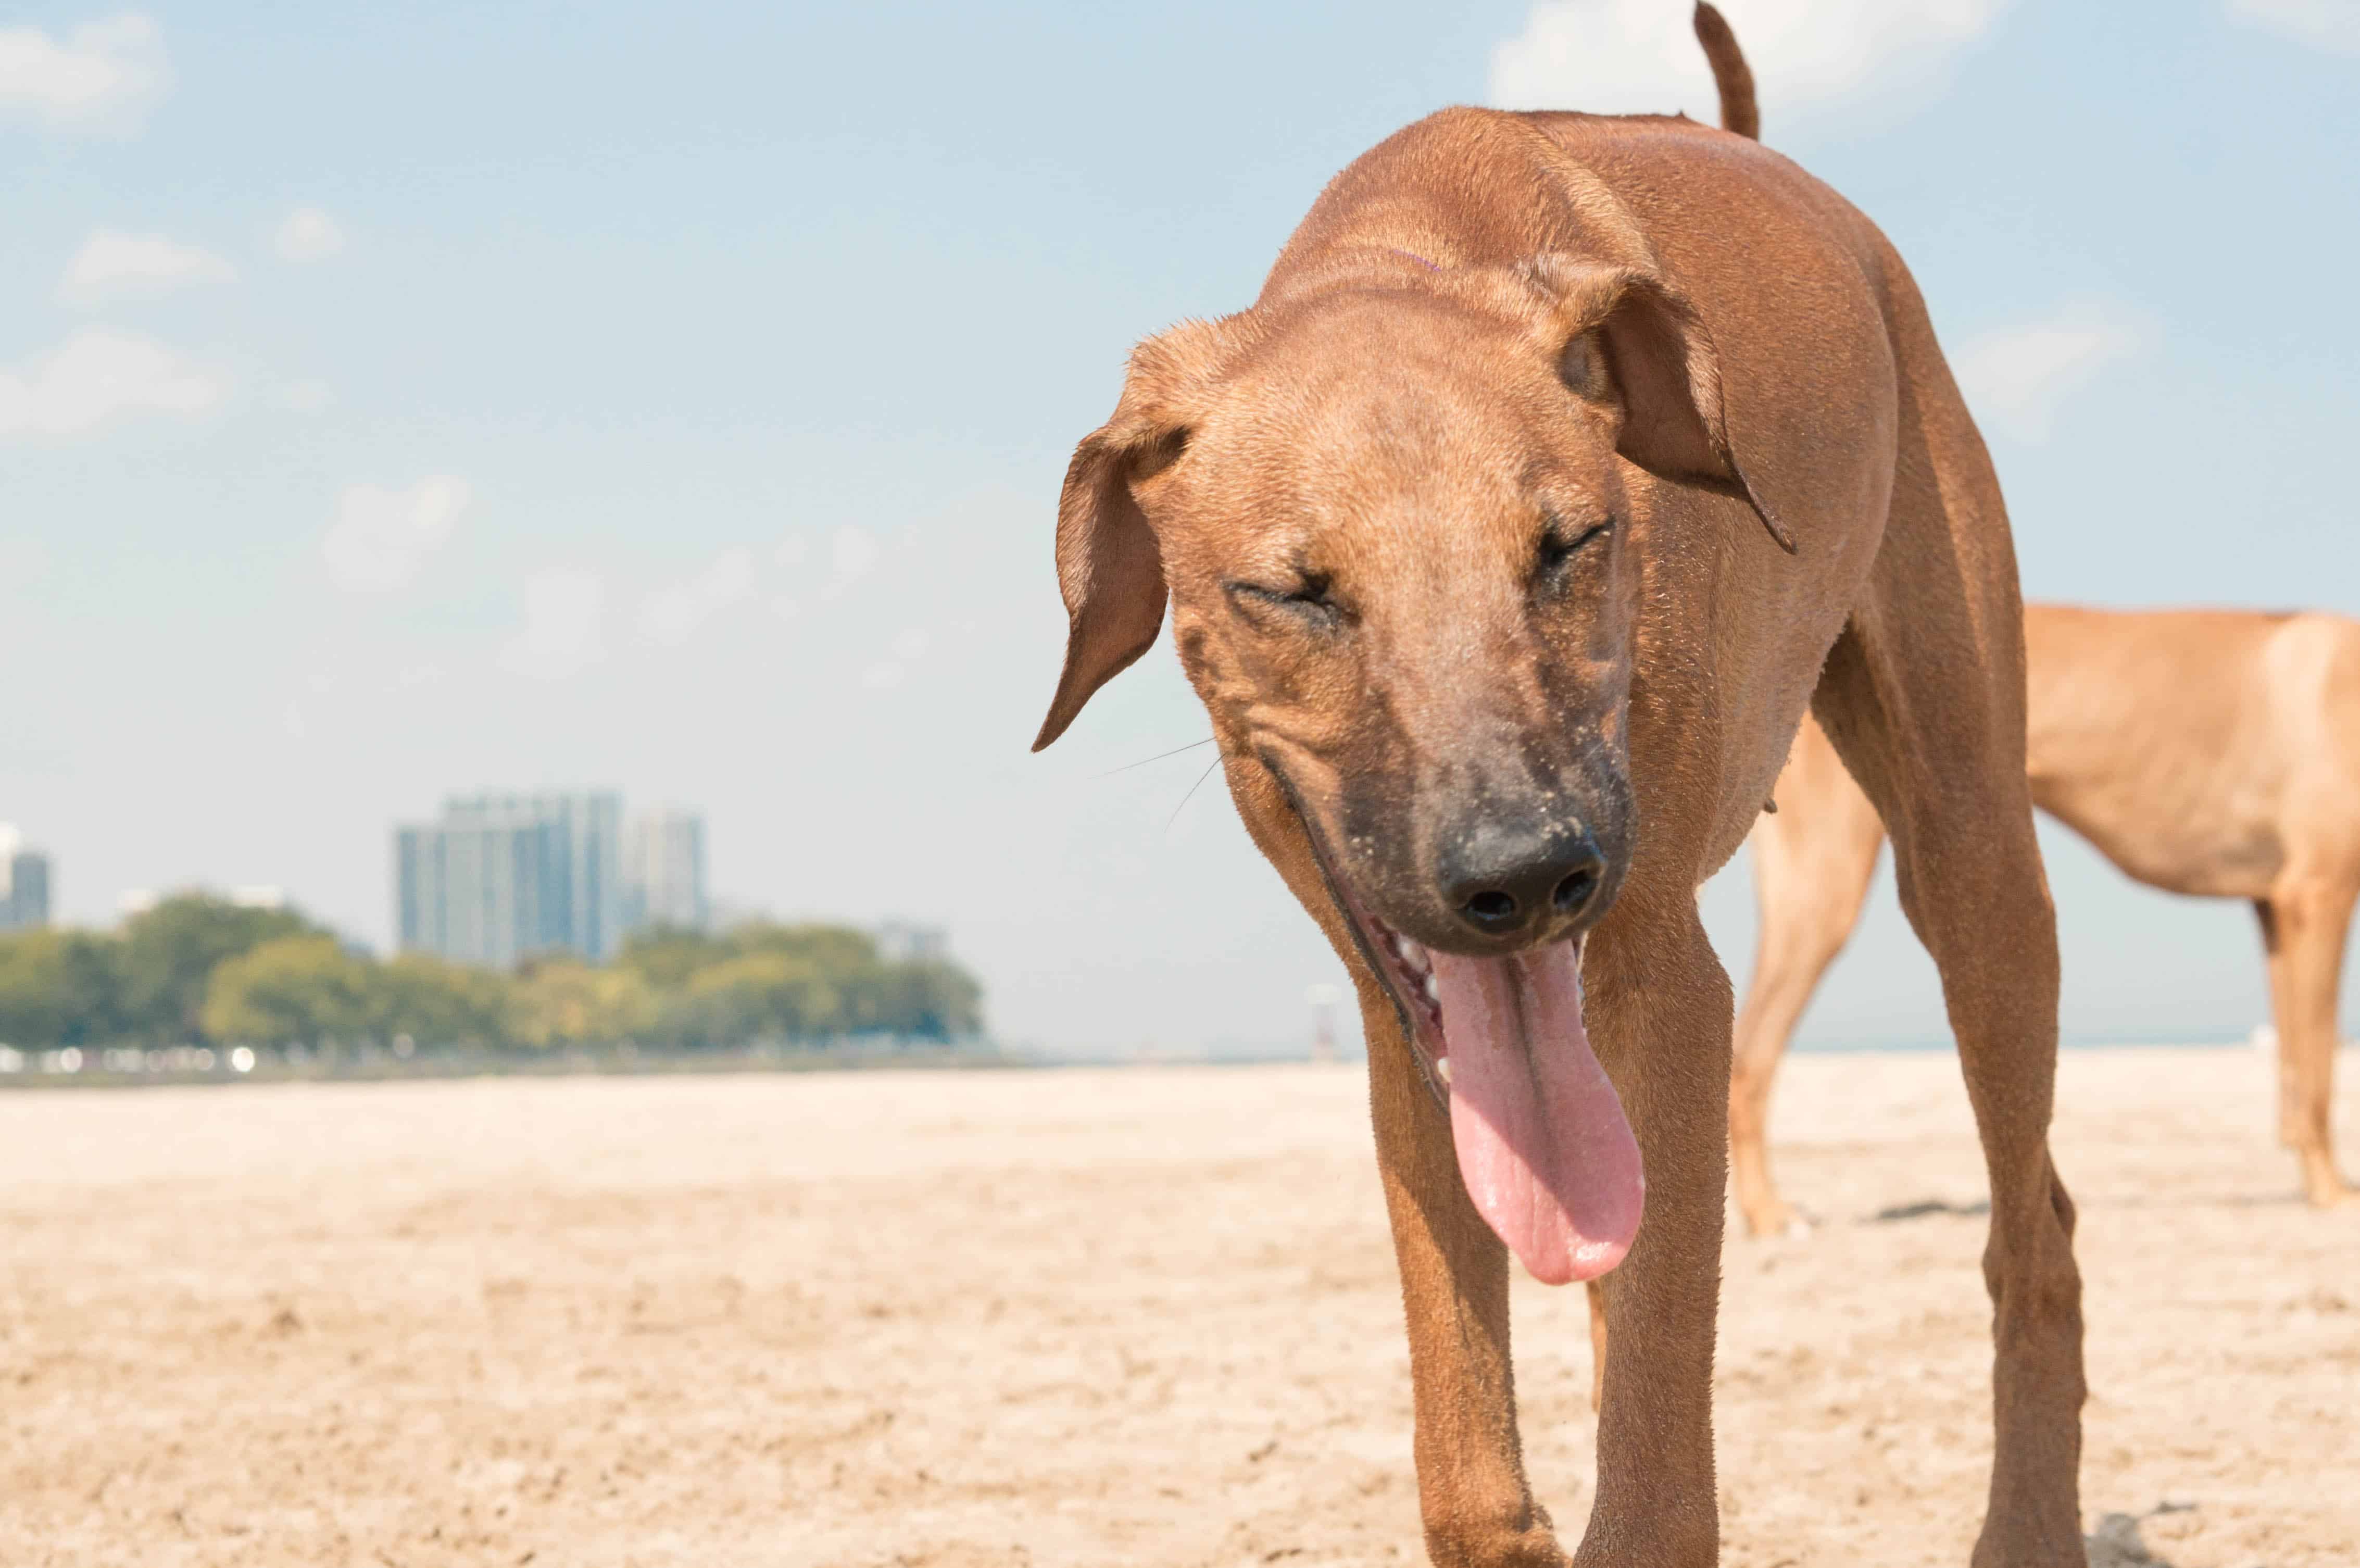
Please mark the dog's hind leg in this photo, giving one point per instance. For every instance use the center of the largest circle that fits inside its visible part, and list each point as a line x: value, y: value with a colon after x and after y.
x: 1923, y: 695
x: 1932, y: 750
x: 1813, y: 862
x: 2288, y: 1122
x: 2305, y: 929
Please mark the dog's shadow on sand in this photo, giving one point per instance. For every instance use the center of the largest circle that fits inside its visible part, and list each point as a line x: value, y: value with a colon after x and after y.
x: 2116, y: 1542
x: 1926, y: 1207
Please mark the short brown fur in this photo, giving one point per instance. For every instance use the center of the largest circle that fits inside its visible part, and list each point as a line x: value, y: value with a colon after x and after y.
x: 1772, y: 497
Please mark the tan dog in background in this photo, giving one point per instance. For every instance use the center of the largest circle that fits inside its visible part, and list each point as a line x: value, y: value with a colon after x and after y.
x: 1561, y: 462
x: 2214, y: 753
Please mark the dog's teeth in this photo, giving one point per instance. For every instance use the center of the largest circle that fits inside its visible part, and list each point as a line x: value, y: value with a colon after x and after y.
x: 1432, y: 992
x: 1413, y: 955
x: 1442, y: 1071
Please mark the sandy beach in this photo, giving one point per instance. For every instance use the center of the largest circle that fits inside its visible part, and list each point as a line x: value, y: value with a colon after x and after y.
x: 1080, y: 1317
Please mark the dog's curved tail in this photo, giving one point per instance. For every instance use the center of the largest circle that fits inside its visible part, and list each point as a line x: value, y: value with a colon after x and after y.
x: 1730, y: 74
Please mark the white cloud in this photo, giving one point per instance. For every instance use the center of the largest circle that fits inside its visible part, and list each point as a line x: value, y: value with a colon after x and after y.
x: 564, y: 620
x: 98, y: 375
x: 2017, y: 378
x: 909, y: 647
x: 382, y: 537
x: 23, y: 561
x: 674, y: 614
x: 307, y: 234
x: 1641, y: 56
x: 103, y: 77
x: 409, y: 677
x: 111, y: 267
x: 850, y: 554
x: 855, y: 553
x: 304, y: 396
x: 2332, y: 24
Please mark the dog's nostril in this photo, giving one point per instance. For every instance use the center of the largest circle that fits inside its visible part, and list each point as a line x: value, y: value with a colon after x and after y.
x: 1508, y: 880
x: 1491, y: 908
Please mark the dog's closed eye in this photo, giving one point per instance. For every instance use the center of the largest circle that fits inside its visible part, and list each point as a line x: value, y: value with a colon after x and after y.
x: 1560, y: 542
x: 1583, y: 367
x: 1307, y: 601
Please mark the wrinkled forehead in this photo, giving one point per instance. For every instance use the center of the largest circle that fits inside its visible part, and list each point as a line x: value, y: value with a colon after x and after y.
x: 1396, y: 419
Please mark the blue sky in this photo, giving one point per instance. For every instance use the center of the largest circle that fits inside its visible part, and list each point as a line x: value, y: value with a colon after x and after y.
x: 396, y: 401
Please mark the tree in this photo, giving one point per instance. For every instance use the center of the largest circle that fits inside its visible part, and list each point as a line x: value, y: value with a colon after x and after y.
x: 304, y: 988
x: 843, y: 959
x: 928, y: 999
x: 60, y: 988
x: 441, y: 1003
x: 561, y: 1003
x: 759, y: 996
x: 836, y: 950
x: 800, y: 982
x: 197, y: 966
x: 666, y: 956
x: 169, y: 953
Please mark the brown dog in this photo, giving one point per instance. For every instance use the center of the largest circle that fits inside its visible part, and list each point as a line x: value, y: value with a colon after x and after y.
x: 2214, y: 753
x: 1561, y: 462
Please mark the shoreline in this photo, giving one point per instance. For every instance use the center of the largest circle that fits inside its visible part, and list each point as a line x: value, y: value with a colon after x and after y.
x: 37, y: 1070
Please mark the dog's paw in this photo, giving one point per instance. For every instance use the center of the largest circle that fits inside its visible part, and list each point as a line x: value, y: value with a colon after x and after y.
x: 1778, y: 1219
x: 1533, y: 1546
x: 2337, y: 1195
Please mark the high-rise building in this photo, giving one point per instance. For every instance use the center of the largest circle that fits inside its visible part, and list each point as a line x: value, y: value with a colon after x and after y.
x: 664, y: 872
x: 503, y: 877
x: 24, y: 881
x: 903, y: 942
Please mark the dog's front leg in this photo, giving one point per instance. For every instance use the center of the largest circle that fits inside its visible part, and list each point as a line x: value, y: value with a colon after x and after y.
x: 1658, y: 1007
x: 1478, y: 1508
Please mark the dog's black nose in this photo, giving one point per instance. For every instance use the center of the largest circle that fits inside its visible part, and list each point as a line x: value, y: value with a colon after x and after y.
x: 1504, y: 879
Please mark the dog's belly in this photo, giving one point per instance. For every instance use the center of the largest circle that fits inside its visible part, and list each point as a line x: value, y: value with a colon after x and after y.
x: 2197, y: 850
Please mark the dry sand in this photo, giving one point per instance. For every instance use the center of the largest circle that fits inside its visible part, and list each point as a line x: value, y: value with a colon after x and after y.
x: 1087, y: 1318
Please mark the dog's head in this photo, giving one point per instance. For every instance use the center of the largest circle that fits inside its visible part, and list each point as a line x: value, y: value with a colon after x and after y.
x: 1394, y: 529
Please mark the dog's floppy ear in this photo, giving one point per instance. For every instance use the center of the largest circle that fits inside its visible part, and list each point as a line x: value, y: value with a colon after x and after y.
x: 1108, y: 567
x: 1623, y: 335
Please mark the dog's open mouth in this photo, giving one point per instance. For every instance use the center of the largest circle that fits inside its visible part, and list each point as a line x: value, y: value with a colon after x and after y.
x: 1544, y: 1148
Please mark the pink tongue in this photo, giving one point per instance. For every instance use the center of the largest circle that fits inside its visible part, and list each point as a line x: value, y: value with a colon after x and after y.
x: 1543, y: 1144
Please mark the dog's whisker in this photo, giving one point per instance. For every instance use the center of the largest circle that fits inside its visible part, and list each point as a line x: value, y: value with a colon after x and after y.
x: 1192, y: 793
x: 1157, y: 758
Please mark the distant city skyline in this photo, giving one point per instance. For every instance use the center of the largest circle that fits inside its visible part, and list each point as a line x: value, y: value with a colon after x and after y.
x: 502, y: 889
x: 664, y: 871
x: 498, y: 878
x: 25, y: 877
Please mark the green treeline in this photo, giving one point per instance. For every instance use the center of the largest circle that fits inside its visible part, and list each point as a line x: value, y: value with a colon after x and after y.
x: 197, y: 968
